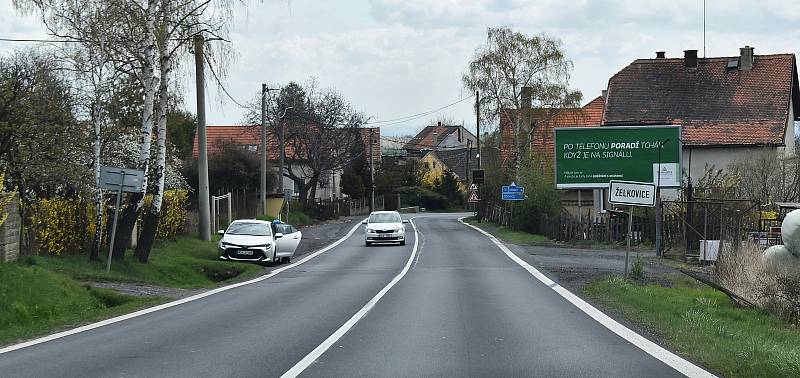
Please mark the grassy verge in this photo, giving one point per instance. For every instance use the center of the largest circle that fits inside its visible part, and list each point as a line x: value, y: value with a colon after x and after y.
x: 182, y: 262
x: 701, y: 323
x: 34, y: 301
x: 507, y: 234
x: 526, y: 238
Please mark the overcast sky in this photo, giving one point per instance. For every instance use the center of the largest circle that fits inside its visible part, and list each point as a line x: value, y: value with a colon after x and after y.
x: 393, y: 58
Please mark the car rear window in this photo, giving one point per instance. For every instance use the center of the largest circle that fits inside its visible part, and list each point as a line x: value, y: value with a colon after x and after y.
x: 385, y: 218
x: 255, y: 229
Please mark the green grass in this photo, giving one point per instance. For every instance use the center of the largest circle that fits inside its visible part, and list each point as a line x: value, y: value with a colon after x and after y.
x: 701, y: 323
x: 182, y: 262
x: 34, y: 301
x: 521, y: 237
x: 507, y: 234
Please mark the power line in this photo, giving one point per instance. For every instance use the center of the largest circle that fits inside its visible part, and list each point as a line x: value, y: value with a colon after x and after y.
x: 216, y: 78
x: 412, y: 117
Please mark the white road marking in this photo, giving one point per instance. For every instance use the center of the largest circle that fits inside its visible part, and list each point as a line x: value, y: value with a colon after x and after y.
x: 333, y: 338
x: 419, y: 252
x: 176, y: 303
x: 676, y: 362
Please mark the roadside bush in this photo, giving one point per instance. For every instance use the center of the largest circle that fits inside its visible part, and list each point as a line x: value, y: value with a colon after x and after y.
x: 542, y: 198
x: 60, y: 225
x: 775, y: 290
x: 173, y: 212
x: 417, y: 196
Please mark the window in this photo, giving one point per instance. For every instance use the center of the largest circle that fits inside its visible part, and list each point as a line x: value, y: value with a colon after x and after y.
x: 434, y: 165
x: 251, y: 148
x: 385, y: 218
x: 246, y: 228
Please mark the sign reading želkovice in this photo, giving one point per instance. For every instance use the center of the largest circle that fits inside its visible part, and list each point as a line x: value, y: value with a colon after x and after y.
x: 632, y: 193
x: 591, y: 157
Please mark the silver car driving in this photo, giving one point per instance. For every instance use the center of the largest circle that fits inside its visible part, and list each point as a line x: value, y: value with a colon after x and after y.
x: 385, y: 227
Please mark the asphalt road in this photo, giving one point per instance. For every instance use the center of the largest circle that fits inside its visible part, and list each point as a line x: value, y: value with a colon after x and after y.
x: 463, y: 309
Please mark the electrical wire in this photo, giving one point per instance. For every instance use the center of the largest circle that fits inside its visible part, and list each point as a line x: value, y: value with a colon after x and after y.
x: 412, y: 117
x: 219, y: 82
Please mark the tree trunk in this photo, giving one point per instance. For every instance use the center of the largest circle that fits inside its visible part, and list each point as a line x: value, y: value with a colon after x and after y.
x: 150, y: 81
x: 127, y: 221
x: 147, y: 236
x: 148, y: 233
x: 98, y: 193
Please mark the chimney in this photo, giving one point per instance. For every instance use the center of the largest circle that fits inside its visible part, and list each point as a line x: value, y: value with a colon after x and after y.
x: 435, y: 138
x: 746, y: 58
x: 690, y: 58
x: 661, y: 54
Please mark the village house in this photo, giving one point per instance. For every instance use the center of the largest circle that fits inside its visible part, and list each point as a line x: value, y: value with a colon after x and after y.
x: 728, y: 108
x: 249, y: 137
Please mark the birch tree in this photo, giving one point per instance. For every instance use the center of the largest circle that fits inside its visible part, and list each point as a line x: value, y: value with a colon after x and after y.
x: 511, y: 60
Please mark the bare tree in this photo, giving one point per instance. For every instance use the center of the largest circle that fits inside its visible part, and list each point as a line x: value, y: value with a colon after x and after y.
x: 325, y: 143
x: 509, y: 61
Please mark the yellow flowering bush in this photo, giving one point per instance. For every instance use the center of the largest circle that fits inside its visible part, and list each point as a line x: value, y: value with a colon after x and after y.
x: 173, y: 212
x: 5, y: 199
x: 62, y: 225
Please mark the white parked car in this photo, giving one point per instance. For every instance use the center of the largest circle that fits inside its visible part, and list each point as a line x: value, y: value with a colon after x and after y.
x: 258, y: 241
x: 385, y: 227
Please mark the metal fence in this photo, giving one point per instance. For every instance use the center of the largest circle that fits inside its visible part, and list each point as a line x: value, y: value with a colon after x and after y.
x: 689, y: 225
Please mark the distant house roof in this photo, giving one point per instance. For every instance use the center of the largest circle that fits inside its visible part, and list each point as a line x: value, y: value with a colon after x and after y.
x: 717, y: 103
x: 590, y: 115
x: 456, y: 160
x: 424, y: 140
x: 250, y: 135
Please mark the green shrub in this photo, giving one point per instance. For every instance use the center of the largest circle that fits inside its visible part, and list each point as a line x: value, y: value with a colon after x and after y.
x: 417, y: 196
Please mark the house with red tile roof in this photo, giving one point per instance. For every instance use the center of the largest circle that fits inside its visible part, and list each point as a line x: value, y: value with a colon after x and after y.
x: 439, y: 137
x: 728, y: 107
x: 249, y: 137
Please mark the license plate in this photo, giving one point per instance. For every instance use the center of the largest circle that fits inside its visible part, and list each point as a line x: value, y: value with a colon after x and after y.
x: 245, y: 252
x: 384, y: 236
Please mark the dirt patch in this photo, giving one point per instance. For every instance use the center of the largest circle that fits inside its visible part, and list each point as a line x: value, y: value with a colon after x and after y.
x: 146, y: 290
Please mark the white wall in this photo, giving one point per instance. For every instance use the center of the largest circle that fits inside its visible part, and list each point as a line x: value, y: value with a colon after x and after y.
x: 331, y: 190
x: 719, y: 157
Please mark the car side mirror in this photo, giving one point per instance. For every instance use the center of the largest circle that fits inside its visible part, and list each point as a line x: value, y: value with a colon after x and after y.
x: 220, y: 232
x: 363, y: 222
x: 405, y: 220
x: 278, y: 235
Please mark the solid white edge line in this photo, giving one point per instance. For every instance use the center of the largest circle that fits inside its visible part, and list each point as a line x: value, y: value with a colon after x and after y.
x: 146, y: 311
x: 671, y: 359
x: 333, y: 338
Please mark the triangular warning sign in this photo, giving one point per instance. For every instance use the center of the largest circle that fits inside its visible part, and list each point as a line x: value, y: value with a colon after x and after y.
x: 473, y: 197
x: 473, y: 187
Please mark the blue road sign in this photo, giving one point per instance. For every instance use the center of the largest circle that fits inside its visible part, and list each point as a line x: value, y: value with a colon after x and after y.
x: 512, y: 192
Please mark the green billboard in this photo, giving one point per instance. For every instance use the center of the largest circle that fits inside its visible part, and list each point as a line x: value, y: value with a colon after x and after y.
x: 590, y: 157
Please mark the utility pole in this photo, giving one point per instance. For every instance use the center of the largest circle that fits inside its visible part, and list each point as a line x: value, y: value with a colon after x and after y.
x: 371, y: 173
x: 202, y: 160
x: 281, y: 144
x: 469, y: 152
x: 263, y: 149
x: 478, y: 125
x: 283, y: 154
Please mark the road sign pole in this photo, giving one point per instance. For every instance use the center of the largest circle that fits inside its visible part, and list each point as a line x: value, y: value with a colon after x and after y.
x: 630, y: 229
x: 114, y: 224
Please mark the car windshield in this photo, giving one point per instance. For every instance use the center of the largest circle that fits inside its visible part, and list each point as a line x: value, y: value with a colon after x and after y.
x: 254, y: 229
x: 385, y: 218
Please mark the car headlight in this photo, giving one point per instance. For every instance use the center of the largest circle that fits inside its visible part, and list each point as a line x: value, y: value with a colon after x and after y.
x: 224, y: 245
x: 370, y: 231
